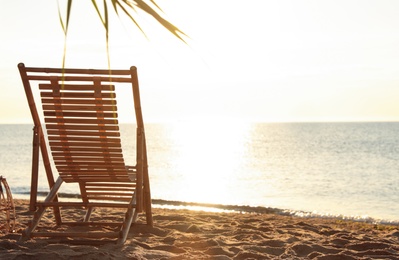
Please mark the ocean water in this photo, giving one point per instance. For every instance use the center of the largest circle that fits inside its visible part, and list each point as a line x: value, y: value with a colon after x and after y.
x: 348, y: 170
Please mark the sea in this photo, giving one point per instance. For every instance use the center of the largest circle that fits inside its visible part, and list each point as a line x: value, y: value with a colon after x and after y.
x: 329, y: 170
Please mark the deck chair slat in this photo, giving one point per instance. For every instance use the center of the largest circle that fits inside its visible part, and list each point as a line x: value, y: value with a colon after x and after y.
x: 106, y: 162
x: 78, y: 108
x: 109, y: 196
x: 61, y: 78
x: 106, y: 198
x: 86, y: 154
x: 78, y: 87
x: 81, y: 114
x: 85, y: 177
x: 87, y: 149
x: 71, y: 178
x: 87, y: 159
x: 60, y: 141
x: 82, y: 154
x: 109, y: 168
x: 84, y: 121
x: 82, y: 133
x: 92, y: 173
x: 83, y: 95
x: 92, y: 168
x: 85, y: 139
x: 82, y: 160
x: 112, y: 198
x: 63, y: 71
x: 103, y: 152
x: 77, y: 158
x: 72, y: 101
x: 83, y: 127
x: 106, y: 168
x: 105, y: 177
x: 84, y: 144
x: 111, y: 189
x: 109, y: 193
x: 94, y: 177
x: 75, y: 150
x: 91, y: 176
x: 110, y: 184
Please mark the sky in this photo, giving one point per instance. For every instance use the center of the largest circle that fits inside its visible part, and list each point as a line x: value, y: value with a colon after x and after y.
x: 255, y: 60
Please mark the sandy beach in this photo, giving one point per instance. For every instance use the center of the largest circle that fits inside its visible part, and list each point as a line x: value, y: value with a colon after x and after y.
x: 187, y: 234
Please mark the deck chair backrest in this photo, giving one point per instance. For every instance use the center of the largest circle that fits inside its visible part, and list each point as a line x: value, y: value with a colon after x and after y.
x: 83, y: 132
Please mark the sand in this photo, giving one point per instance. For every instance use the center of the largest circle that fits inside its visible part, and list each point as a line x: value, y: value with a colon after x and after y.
x: 187, y: 234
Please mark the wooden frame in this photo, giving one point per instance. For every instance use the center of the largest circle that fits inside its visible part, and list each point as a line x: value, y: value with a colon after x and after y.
x: 80, y: 118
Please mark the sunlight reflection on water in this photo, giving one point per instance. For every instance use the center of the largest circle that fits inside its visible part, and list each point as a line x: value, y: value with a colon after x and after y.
x: 328, y: 168
x: 210, y: 160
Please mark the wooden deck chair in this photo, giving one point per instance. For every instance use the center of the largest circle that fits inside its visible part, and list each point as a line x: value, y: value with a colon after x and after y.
x: 82, y: 133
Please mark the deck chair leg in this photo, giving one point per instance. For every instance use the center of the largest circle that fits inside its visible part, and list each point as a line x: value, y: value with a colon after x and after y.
x: 135, y: 215
x: 130, y: 214
x: 130, y: 217
x: 88, y: 214
x: 147, y: 205
x: 26, y: 234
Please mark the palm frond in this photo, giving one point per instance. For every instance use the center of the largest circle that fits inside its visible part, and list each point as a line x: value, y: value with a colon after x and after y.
x: 123, y: 5
x: 153, y: 2
x: 156, y: 15
x: 98, y: 12
x: 106, y: 25
x: 127, y: 13
x: 61, y: 20
x: 65, y: 26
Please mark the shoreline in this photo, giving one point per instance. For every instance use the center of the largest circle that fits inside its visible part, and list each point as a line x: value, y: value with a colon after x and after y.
x: 212, y: 207
x: 188, y: 234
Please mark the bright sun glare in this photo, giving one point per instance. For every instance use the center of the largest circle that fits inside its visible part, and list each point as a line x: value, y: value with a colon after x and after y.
x: 210, y: 155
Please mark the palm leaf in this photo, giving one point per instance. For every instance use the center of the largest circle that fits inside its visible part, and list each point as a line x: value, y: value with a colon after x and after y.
x: 153, y: 2
x: 98, y: 12
x: 61, y: 20
x: 106, y: 25
x: 165, y: 23
x: 124, y: 5
x: 65, y: 26
x: 117, y: 2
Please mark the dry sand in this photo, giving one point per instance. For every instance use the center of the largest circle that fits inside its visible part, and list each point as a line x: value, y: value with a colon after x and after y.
x: 185, y: 234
